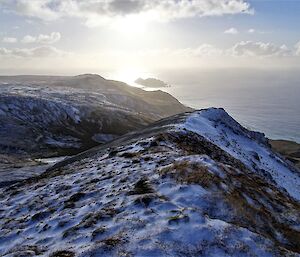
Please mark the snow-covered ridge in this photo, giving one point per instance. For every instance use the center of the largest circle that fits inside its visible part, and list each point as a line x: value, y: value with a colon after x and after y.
x: 247, y: 146
x: 183, y: 186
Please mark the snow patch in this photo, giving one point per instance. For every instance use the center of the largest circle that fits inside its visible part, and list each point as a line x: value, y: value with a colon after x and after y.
x: 249, y: 147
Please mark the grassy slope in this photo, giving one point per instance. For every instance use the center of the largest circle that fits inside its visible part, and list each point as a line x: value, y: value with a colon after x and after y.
x: 289, y: 149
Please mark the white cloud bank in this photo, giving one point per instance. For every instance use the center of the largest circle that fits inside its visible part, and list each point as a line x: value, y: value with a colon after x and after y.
x: 10, y: 40
x: 245, y: 54
x: 203, y: 50
x: 42, y: 39
x: 297, y: 46
x: 232, y: 31
x: 250, y: 48
x: 98, y: 12
x: 240, y: 49
x: 37, y: 52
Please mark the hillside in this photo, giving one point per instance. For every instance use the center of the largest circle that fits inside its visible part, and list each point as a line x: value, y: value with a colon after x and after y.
x: 42, y: 116
x: 195, y: 184
x: 289, y: 149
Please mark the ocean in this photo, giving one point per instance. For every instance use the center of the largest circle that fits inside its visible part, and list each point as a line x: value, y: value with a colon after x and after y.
x: 265, y: 101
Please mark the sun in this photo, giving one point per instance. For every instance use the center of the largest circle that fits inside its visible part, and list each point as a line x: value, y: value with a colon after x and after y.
x: 129, y: 75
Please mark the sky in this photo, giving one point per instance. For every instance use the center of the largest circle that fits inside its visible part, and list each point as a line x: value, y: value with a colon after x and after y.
x: 131, y: 38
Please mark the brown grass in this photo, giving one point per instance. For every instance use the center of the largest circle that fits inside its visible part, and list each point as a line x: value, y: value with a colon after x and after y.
x: 62, y: 253
x: 192, y: 173
x: 141, y: 187
x: 269, y: 212
x: 265, y: 217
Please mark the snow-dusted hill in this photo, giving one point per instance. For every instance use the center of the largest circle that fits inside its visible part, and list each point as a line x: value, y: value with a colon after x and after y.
x: 195, y: 184
x: 44, y: 116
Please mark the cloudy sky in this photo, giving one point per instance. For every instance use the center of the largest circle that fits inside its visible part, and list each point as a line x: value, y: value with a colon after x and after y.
x: 130, y: 37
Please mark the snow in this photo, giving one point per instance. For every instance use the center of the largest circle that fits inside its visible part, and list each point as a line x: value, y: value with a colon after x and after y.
x: 63, y: 142
x: 151, y: 197
x: 35, y: 117
x: 219, y: 128
x: 159, y: 228
x: 11, y: 175
x: 103, y: 138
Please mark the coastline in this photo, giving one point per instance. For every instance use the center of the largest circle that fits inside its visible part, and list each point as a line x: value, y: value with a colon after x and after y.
x: 289, y: 149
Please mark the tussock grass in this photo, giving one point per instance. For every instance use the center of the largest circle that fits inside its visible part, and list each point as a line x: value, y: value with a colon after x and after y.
x: 62, y: 253
x: 141, y: 187
x: 191, y: 173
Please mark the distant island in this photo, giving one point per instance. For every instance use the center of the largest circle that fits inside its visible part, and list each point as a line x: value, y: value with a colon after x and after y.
x: 151, y: 82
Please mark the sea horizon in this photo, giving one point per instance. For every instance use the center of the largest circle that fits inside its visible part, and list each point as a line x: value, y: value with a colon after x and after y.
x: 264, y: 101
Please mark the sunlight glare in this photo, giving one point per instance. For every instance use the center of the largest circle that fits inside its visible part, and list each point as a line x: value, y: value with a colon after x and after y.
x: 129, y: 75
x: 131, y: 25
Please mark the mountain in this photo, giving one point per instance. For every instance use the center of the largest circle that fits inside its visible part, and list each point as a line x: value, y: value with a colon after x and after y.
x: 194, y: 184
x: 42, y: 116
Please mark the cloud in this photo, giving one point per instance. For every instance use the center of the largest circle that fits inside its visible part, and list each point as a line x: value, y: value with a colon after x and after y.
x: 204, y: 50
x: 239, y: 50
x: 232, y: 31
x: 37, y: 52
x: 41, y: 9
x: 28, y: 39
x: 10, y: 40
x: 250, y: 48
x: 126, y: 6
x: 98, y: 12
x: 297, y: 46
x: 42, y: 39
x: 252, y: 31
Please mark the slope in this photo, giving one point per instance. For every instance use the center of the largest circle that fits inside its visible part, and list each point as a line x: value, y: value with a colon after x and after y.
x: 195, y: 184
